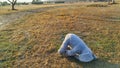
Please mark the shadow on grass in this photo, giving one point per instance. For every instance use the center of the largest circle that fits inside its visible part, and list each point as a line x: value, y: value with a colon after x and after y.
x: 98, y: 63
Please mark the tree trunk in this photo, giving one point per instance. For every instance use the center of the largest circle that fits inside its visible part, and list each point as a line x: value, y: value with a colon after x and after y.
x: 13, y: 6
x: 113, y: 1
x: 13, y: 2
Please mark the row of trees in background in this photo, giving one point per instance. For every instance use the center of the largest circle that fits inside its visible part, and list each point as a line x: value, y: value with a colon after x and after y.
x: 46, y: 2
x: 4, y: 3
x: 14, y: 2
x: 70, y: 1
x: 37, y: 2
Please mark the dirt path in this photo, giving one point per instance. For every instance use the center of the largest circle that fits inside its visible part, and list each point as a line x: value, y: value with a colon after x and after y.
x: 8, y: 18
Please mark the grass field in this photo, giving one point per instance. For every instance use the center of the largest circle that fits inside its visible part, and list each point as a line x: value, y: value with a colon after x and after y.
x: 7, y: 9
x: 33, y: 41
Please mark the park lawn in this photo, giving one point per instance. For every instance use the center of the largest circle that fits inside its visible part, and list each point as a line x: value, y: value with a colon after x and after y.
x: 7, y: 9
x: 34, y: 40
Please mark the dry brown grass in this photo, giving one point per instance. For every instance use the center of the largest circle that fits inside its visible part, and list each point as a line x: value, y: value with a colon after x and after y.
x: 7, y: 9
x: 42, y: 33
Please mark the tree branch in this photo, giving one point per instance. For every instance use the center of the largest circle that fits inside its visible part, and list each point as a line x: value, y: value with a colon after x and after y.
x: 15, y: 1
x: 10, y: 1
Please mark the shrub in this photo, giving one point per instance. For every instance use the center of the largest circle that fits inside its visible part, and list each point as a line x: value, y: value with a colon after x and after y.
x: 4, y: 3
x: 59, y: 1
x: 37, y: 2
x: 97, y: 5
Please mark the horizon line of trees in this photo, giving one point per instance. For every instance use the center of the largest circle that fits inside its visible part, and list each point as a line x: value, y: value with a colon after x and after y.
x: 5, y: 3
x: 14, y: 2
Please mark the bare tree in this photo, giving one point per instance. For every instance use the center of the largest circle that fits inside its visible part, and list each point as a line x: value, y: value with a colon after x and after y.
x: 13, y: 2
